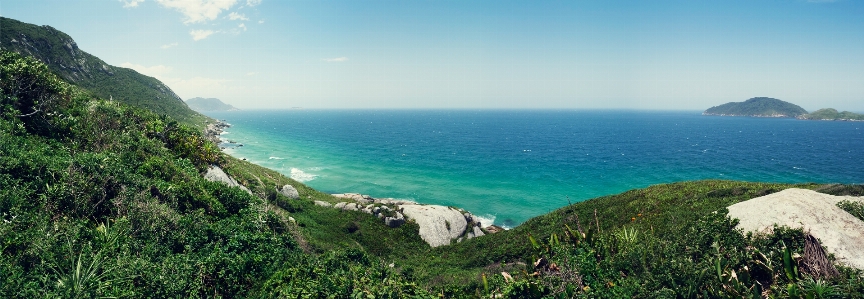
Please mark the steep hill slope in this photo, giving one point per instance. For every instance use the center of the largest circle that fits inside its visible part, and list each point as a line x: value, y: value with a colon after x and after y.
x: 102, y: 199
x: 62, y: 55
x: 757, y: 107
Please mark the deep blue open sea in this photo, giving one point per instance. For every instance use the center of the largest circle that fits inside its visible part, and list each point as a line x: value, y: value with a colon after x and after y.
x: 511, y: 165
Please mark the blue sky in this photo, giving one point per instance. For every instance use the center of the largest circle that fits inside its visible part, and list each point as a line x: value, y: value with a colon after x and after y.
x: 477, y: 54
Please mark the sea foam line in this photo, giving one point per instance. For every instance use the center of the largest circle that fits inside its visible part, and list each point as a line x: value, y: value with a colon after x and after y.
x: 300, y: 176
x: 485, y: 220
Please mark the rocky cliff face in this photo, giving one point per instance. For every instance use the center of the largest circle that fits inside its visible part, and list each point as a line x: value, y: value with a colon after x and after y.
x: 62, y: 55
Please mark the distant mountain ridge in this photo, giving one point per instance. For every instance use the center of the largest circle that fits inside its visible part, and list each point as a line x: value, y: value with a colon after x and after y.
x: 62, y: 55
x: 209, y: 104
x: 757, y: 107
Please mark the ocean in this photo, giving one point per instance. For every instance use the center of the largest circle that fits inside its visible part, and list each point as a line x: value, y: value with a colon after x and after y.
x: 510, y: 165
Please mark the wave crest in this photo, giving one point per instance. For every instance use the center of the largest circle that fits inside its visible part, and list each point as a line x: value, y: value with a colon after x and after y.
x: 300, y: 176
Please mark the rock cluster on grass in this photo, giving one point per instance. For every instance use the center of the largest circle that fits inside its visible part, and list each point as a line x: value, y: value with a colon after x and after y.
x: 439, y: 225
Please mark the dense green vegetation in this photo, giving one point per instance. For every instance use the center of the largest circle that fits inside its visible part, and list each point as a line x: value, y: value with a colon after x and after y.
x: 102, y: 199
x: 759, y: 107
x: 661, y: 241
x: 832, y: 114
x: 61, y: 54
x: 210, y: 104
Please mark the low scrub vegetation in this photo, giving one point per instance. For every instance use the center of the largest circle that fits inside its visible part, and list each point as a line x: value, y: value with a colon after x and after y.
x: 100, y: 199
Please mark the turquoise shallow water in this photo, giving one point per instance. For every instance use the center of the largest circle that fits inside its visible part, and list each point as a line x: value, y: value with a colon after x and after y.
x: 509, y: 166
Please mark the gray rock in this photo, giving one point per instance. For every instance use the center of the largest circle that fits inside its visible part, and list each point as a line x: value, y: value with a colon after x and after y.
x: 215, y: 174
x: 290, y: 192
x: 478, y: 232
x: 350, y: 207
x: 438, y: 224
x: 340, y: 205
x: 322, y: 203
x: 840, y: 232
x: 468, y: 217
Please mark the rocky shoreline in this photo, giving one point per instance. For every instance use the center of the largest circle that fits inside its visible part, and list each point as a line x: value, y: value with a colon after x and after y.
x: 439, y: 225
x: 213, y: 130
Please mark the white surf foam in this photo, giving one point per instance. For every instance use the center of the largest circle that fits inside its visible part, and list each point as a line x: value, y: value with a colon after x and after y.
x: 485, y: 220
x: 300, y: 176
x: 276, y: 158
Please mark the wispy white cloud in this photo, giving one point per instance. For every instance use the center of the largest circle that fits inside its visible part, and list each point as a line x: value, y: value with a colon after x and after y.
x: 130, y: 3
x: 251, y: 73
x: 156, y: 71
x: 242, y: 26
x: 237, y: 16
x: 253, y: 2
x: 261, y: 22
x: 337, y: 59
x: 168, y: 46
x: 197, y: 11
x: 200, y: 34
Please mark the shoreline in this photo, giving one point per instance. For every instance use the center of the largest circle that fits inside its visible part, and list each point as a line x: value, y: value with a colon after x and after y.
x: 367, y: 163
x: 438, y: 225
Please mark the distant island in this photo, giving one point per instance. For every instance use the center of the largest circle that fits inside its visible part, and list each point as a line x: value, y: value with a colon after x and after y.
x: 209, y: 104
x: 832, y: 114
x: 757, y: 107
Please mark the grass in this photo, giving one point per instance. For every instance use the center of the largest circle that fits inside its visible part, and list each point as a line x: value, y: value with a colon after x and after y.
x: 101, y: 199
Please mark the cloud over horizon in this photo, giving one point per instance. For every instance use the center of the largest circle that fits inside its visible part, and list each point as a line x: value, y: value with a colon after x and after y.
x: 337, y: 59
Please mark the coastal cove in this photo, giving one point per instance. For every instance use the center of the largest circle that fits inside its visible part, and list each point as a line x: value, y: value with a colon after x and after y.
x: 510, y: 165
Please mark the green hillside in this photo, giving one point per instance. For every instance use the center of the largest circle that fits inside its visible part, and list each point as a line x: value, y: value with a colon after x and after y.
x: 61, y: 54
x: 832, y: 114
x: 102, y: 199
x: 757, y: 107
x: 106, y: 198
